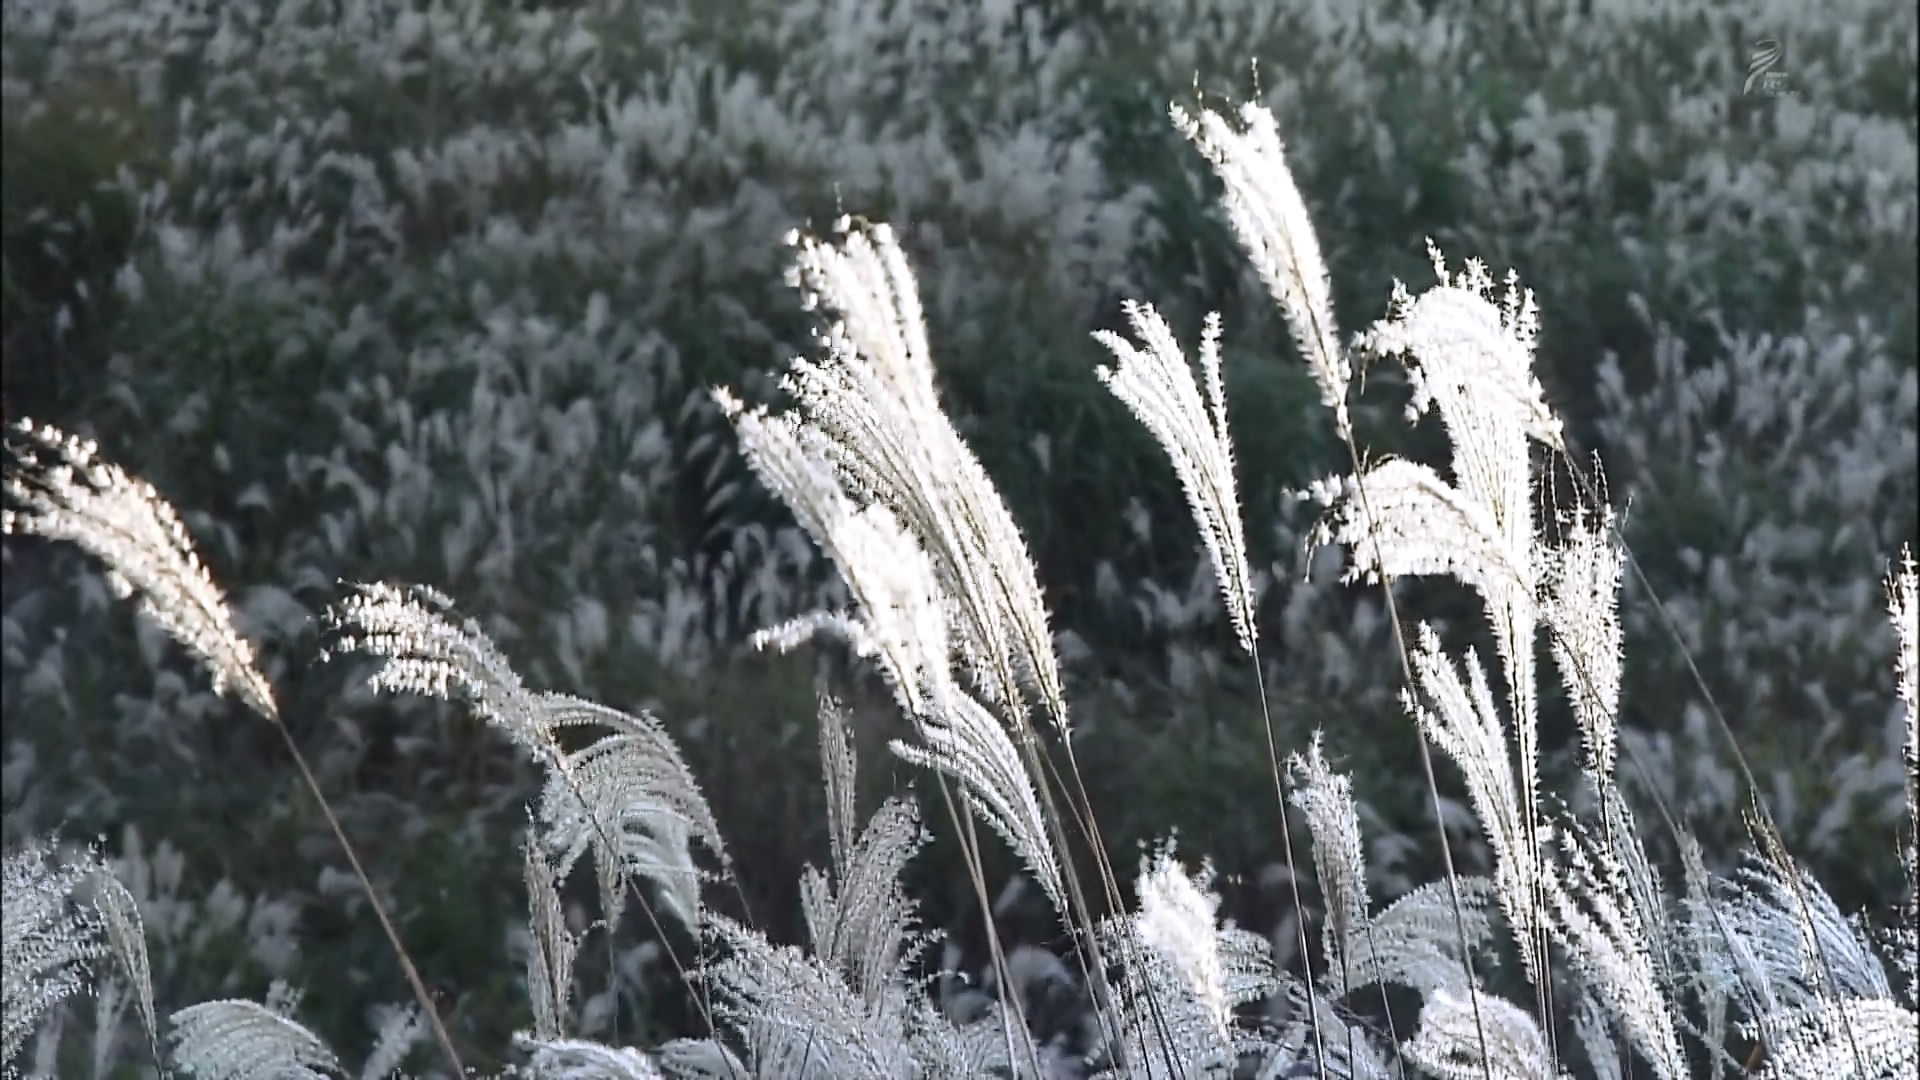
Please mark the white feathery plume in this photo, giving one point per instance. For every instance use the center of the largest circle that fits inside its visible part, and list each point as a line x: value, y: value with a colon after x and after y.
x: 642, y: 806
x: 1472, y: 361
x: 550, y: 948
x: 67, y: 493
x: 857, y: 916
x: 798, y: 1017
x: 1698, y: 937
x: 902, y: 621
x: 1420, y: 525
x: 1176, y: 921
x: 242, y: 1040
x: 1415, y: 942
x: 1765, y: 936
x: 1475, y: 363
x: 859, y: 920
x: 1466, y: 1034
x: 838, y: 766
x: 1339, y: 861
x: 1156, y: 383
x: 1583, y: 615
x: 1636, y: 884
x: 866, y: 281
x: 959, y: 737
x: 630, y: 797
x: 1271, y: 221
x: 423, y: 651
x: 126, y: 935
x: 1903, y: 605
x: 871, y: 399
x: 1184, y: 974
x: 1812, y: 987
x: 1464, y: 724
x: 51, y: 940
x: 580, y: 1059
x: 1845, y: 1039
x: 1597, y: 919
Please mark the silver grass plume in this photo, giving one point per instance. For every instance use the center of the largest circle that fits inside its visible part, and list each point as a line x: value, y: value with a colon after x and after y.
x: 630, y: 798
x: 1812, y: 987
x: 1820, y: 1041
x: 1697, y: 939
x: 1157, y: 385
x: 866, y: 408
x: 1326, y: 798
x: 1583, y: 613
x: 870, y: 407
x: 127, y: 938
x: 52, y: 941
x: 1415, y: 941
x: 52, y: 935
x: 1761, y: 944
x: 1464, y: 723
x: 901, y: 617
x: 423, y: 651
x: 1448, y: 1044
x: 838, y: 768
x: 1638, y: 883
x: 65, y: 492
x: 579, y: 1059
x: 902, y: 621
x: 858, y: 917
x: 861, y: 921
x: 1903, y: 606
x: 1272, y: 223
x: 244, y: 1040
x: 797, y: 1018
x: 1422, y: 525
x: 959, y: 737
x: 846, y: 1007
x: 846, y: 1010
x: 628, y: 795
x: 1595, y: 915
x: 1470, y: 359
x: 550, y: 948
x: 1184, y: 974
x: 1176, y: 921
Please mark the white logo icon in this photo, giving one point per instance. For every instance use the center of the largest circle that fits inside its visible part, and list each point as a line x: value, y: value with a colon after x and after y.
x: 1760, y: 69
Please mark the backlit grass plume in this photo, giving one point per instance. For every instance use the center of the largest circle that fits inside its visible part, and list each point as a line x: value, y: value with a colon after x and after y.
x: 64, y: 491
